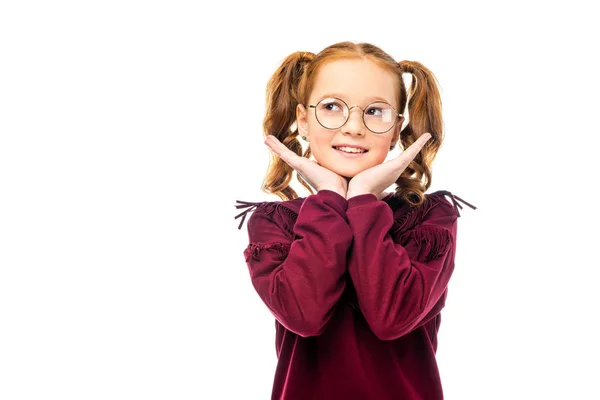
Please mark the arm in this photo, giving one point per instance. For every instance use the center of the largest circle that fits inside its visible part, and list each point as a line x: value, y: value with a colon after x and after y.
x: 301, y: 278
x: 400, y: 287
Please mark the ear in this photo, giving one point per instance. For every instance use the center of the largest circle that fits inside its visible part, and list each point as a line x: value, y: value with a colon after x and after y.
x: 396, y: 134
x: 301, y: 120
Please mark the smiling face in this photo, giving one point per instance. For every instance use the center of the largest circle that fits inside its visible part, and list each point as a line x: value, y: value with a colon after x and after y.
x: 357, y: 82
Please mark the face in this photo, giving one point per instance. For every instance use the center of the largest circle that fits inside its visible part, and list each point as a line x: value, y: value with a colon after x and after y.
x: 357, y: 82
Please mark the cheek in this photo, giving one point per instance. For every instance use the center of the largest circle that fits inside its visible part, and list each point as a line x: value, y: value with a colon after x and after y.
x: 318, y: 147
x: 380, y: 152
x: 319, y: 139
x: 380, y: 156
x: 381, y: 149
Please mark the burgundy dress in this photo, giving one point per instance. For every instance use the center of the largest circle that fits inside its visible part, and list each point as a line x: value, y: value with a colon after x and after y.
x: 356, y: 288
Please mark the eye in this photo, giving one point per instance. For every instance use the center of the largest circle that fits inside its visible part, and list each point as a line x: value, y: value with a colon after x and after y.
x: 375, y: 111
x: 331, y: 105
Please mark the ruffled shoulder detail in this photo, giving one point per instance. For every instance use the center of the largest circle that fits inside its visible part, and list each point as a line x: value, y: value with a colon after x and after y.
x: 414, y: 215
x: 254, y: 250
x: 455, y: 200
x: 409, y: 219
x: 286, y: 210
x: 432, y: 242
x: 249, y: 207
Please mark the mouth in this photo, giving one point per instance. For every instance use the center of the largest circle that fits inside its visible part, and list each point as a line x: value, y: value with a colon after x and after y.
x: 348, y: 151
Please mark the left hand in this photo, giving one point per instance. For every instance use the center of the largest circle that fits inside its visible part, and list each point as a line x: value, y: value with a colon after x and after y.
x: 378, y: 178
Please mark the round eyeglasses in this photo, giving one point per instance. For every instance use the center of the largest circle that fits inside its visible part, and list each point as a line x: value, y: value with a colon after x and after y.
x: 333, y: 113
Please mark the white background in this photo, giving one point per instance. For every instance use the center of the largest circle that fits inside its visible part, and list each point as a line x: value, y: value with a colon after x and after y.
x: 128, y: 130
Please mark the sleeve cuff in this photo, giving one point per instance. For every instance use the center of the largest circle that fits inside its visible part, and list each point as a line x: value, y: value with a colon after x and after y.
x: 361, y: 200
x: 337, y: 199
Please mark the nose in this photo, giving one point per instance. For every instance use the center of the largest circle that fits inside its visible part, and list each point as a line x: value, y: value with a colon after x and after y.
x: 355, y: 124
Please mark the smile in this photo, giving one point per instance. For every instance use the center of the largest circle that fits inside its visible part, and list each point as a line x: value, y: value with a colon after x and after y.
x: 350, y: 151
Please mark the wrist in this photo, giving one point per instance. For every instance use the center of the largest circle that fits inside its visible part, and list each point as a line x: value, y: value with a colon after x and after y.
x: 361, y: 200
x: 354, y: 193
x: 351, y: 194
x: 339, y: 190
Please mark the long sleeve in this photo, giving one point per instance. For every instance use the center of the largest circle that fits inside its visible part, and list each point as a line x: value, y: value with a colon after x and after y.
x: 299, y: 269
x: 400, y: 286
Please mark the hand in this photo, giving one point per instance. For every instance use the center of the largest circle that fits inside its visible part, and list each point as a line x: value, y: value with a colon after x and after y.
x: 378, y: 178
x: 314, y: 174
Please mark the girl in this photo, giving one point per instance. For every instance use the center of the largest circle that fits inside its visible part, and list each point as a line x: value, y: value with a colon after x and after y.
x: 356, y: 278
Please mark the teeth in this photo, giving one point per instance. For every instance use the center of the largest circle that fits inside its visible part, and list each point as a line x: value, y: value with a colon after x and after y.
x: 350, y: 150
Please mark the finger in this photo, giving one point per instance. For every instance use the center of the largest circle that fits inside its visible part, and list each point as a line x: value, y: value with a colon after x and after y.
x: 301, y: 165
x: 281, y: 150
x: 411, y: 152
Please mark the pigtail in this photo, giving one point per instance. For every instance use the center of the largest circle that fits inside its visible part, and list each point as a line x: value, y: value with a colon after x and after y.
x: 279, y: 120
x: 425, y: 115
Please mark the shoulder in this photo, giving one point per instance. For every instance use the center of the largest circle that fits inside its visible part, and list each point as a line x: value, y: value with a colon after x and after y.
x: 441, y: 200
x: 272, y: 208
x: 441, y: 205
x: 451, y: 201
x: 273, y: 211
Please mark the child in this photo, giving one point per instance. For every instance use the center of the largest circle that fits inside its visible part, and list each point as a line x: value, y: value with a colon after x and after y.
x: 356, y: 278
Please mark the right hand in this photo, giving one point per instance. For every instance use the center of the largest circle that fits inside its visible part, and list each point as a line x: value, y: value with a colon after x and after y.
x: 314, y: 174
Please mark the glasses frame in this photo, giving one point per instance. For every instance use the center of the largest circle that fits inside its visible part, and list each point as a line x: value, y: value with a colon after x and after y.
x: 363, y: 114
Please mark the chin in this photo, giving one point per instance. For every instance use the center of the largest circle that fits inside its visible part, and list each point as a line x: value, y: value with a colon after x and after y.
x: 348, y: 174
x: 345, y: 171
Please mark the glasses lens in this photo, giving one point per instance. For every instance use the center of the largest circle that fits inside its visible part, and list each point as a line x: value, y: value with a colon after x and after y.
x: 332, y: 113
x: 380, y: 117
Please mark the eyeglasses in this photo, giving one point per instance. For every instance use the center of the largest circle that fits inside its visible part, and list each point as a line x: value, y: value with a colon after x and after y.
x: 332, y: 113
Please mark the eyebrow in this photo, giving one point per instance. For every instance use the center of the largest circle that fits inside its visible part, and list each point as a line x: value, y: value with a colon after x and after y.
x: 340, y: 96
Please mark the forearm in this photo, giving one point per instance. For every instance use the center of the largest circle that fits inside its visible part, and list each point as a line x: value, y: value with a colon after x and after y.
x: 397, y: 285
x: 301, y: 278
